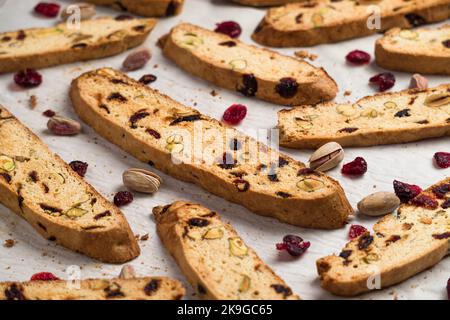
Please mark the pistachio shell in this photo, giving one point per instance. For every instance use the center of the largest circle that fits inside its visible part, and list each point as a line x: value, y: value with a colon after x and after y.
x: 237, y: 247
x: 378, y: 204
x: 326, y: 157
x: 141, y: 180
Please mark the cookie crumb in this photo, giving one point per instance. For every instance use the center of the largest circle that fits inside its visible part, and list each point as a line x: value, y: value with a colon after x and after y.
x: 145, y: 237
x: 33, y: 101
x: 303, y: 54
x: 9, y: 243
x: 214, y: 93
x: 347, y: 93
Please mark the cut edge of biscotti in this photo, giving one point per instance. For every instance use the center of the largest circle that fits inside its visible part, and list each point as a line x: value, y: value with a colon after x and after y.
x: 403, y: 243
x: 141, y: 288
x: 160, y: 8
x: 62, y: 44
x: 215, y: 260
x: 296, y: 124
x: 228, y: 63
x: 422, y: 50
x: 31, y: 180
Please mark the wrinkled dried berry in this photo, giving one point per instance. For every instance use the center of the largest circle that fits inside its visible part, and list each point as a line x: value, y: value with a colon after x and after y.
x: 228, y: 44
x: 356, y: 167
x: 14, y: 292
x: 358, y: 57
x: 136, y: 117
x: 102, y: 215
x: 197, y: 222
x: 355, y: 231
x: 425, y: 201
x: 415, y: 20
x: 384, y: 81
x: 123, y: 198
x: 348, y: 130
x: 441, y: 190
x: 287, y: 87
x: 190, y: 118
x: 148, y: 78
x: 152, y: 287
x: 235, y: 114
x: 44, y: 276
x: 294, y: 245
x: 345, y: 254
x: 116, y: 96
x: 442, y: 159
x: 79, y: 167
x: 49, y: 113
x: 28, y: 78
x: 50, y: 10
x: 365, y: 241
x: 230, y: 28
x: 403, y: 113
x: 153, y: 133
x: 249, y: 85
x: 445, y: 235
x: 405, y: 191
x: 446, y: 43
x: 446, y: 204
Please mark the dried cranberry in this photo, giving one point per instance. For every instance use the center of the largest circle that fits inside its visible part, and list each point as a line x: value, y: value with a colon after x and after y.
x: 287, y: 87
x: 448, y: 289
x: 415, y: 20
x: 123, y: 17
x: 446, y: 43
x: 442, y: 159
x: 441, y: 190
x: 358, y: 57
x: 47, y: 9
x: 425, y: 201
x: 44, y: 276
x: 230, y: 28
x: 384, y: 81
x: 49, y: 113
x: 249, y: 85
x: 123, y: 198
x: 28, y: 78
x: 79, y: 167
x: 356, y: 167
x: 235, y: 114
x: 405, y: 191
x: 355, y: 231
x: 147, y: 78
x: 294, y: 245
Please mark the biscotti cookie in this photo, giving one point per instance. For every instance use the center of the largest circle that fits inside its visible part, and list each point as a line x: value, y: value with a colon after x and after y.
x: 414, y: 239
x: 324, y: 21
x: 419, y: 50
x: 384, y: 118
x: 266, y: 3
x: 45, y: 47
x: 147, y: 8
x: 149, y: 288
x: 247, y: 69
x: 41, y: 188
x: 196, y: 148
x: 212, y: 256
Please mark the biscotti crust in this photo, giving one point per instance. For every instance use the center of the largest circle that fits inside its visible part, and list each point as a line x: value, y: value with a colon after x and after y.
x: 217, y: 58
x: 61, y: 45
x: 327, y: 21
x: 214, y: 258
x: 385, y: 118
x: 148, y: 288
x: 325, y: 206
x: 28, y: 189
x: 402, y: 245
x: 146, y: 8
x: 420, y: 50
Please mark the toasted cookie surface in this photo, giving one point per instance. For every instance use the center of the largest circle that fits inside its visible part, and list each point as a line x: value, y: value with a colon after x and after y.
x: 148, y: 8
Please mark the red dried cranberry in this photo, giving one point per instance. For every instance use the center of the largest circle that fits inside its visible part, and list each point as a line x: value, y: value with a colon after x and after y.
x: 49, y: 113
x: 287, y: 87
x: 446, y: 43
x: 356, y: 167
x: 235, y: 114
x: 425, y: 201
x: 79, y: 167
x: 442, y: 159
x: 47, y: 9
x: 405, y: 191
x: 294, y: 245
x: 44, y: 276
x: 148, y: 78
x: 123, y: 198
x: 28, y: 78
x: 448, y: 288
x: 358, y: 57
x: 384, y: 81
x: 230, y: 28
x: 355, y: 231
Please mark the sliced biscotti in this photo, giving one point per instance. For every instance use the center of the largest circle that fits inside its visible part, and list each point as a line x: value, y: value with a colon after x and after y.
x: 404, y: 244
x: 266, y: 3
x: 215, y: 260
x: 45, y: 47
x: 419, y: 50
x: 324, y: 21
x: 148, y: 8
x: 195, y: 148
x: 385, y: 118
x: 250, y: 70
x: 41, y: 188
x: 149, y: 288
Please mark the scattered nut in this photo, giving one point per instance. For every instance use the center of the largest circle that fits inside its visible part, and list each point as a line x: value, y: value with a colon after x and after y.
x: 310, y: 184
x: 326, y: 157
x: 33, y: 101
x: 86, y: 11
x: 303, y: 54
x: 437, y: 99
x: 214, y: 233
x: 63, y: 126
x: 137, y: 59
x: 127, y: 272
x: 141, y: 180
x: 237, y: 247
x: 378, y: 204
x: 9, y: 243
x: 418, y: 82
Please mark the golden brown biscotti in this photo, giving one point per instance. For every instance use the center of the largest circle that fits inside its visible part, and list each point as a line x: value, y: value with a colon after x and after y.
x: 324, y: 21
x: 404, y: 244
x: 46, y: 47
x: 147, y: 8
x: 384, y: 118
x: 41, y: 188
x: 265, y: 3
x: 148, y: 288
x: 420, y: 50
x: 212, y: 256
x: 195, y: 148
x: 250, y: 70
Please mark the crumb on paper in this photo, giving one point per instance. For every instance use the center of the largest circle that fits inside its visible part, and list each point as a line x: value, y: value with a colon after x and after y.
x: 9, y: 243
x: 303, y: 54
x: 33, y: 101
x: 347, y: 93
x: 145, y: 237
x: 214, y: 93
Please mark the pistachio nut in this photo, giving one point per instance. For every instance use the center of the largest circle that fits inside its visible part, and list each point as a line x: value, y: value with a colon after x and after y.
x: 191, y: 40
x: 7, y: 164
x: 84, y: 11
x: 310, y: 184
x: 141, y: 180
x: 390, y: 105
x: 214, y: 233
x: 194, y: 234
x: 418, y: 82
x: 237, y: 247
x: 127, y: 272
x: 75, y: 212
x: 238, y: 64
x: 347, y: 110
x: 63, y: 126
x: 438, y: 99
x: 326, y: 157
x: 378, y: 204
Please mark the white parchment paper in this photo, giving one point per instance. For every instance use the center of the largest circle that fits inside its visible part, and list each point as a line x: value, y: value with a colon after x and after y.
x: 408, y: 162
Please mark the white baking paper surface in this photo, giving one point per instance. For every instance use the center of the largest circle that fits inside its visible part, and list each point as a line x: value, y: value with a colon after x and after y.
x: 407, y: 162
